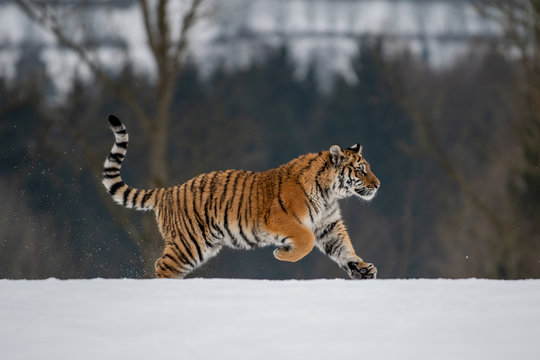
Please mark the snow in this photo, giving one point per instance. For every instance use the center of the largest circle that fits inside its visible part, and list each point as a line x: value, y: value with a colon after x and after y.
x: 254, y: 319
x: 412, y: 24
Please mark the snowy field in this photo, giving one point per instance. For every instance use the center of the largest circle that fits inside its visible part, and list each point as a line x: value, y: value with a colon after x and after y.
x: 254, y: 319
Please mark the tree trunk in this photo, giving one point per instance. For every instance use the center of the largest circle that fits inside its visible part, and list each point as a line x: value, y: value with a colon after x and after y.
x: 168, y: 57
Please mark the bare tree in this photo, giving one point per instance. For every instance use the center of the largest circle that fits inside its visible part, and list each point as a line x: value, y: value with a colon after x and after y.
x: 493, y: 226
x: 168, y: 51
x: 520, y: 20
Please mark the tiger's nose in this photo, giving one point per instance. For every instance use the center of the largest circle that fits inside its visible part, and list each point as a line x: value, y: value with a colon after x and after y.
x: 376, y: 186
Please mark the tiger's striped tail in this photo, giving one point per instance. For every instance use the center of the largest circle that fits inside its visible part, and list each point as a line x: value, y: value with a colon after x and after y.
x: 122, y: 193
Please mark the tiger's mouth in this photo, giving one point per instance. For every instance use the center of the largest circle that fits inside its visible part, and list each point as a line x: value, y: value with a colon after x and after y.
x: 366, y: 193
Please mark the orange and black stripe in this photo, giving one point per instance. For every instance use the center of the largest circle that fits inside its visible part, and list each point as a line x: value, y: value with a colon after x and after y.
x: 291, y: 207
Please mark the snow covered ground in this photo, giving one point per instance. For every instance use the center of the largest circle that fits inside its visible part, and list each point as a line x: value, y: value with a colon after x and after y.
x: 254, y: 319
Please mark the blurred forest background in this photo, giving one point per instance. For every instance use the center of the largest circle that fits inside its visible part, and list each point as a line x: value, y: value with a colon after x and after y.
x: 454, y: 136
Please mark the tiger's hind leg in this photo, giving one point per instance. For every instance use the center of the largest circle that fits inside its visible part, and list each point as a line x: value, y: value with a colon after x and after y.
x: 169, y: 268
x: 178, y: 260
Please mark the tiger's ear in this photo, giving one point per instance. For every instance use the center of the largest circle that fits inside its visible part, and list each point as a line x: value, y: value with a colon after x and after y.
x: 357, y: 148
x: 336, y: 155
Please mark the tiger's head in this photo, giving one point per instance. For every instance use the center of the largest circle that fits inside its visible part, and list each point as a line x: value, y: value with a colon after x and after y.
x: 353, y: 173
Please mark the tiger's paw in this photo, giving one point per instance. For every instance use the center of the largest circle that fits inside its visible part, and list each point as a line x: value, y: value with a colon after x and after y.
x: 282, y: 253
x: 361, y: 270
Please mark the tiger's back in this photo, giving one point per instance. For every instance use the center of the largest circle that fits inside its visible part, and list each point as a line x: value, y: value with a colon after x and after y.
x: 224, y: 208
x: 293, y: 207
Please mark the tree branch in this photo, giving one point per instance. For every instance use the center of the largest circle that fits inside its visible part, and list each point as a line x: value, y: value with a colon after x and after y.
x: 148, y: 27
x: 430, y: 141
x: 187, y: 23
x: 49, y: 21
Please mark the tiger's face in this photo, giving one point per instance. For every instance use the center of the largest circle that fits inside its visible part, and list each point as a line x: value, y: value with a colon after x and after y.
x: 353, y: 173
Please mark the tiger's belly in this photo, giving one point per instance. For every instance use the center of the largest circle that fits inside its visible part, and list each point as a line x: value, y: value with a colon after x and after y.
x: 246, y: 236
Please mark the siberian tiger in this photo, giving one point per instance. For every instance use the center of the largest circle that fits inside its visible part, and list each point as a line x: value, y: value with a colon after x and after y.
x: 294, y: 207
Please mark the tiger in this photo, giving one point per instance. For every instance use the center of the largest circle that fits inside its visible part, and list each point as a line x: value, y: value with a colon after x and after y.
x: 293, y: 207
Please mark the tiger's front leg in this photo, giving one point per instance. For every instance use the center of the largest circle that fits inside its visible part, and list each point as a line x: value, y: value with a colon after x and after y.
x: 298, y: 239
x: 334, y: 241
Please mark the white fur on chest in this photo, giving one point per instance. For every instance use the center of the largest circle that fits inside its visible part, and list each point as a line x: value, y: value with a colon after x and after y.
x: 329, y: 214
